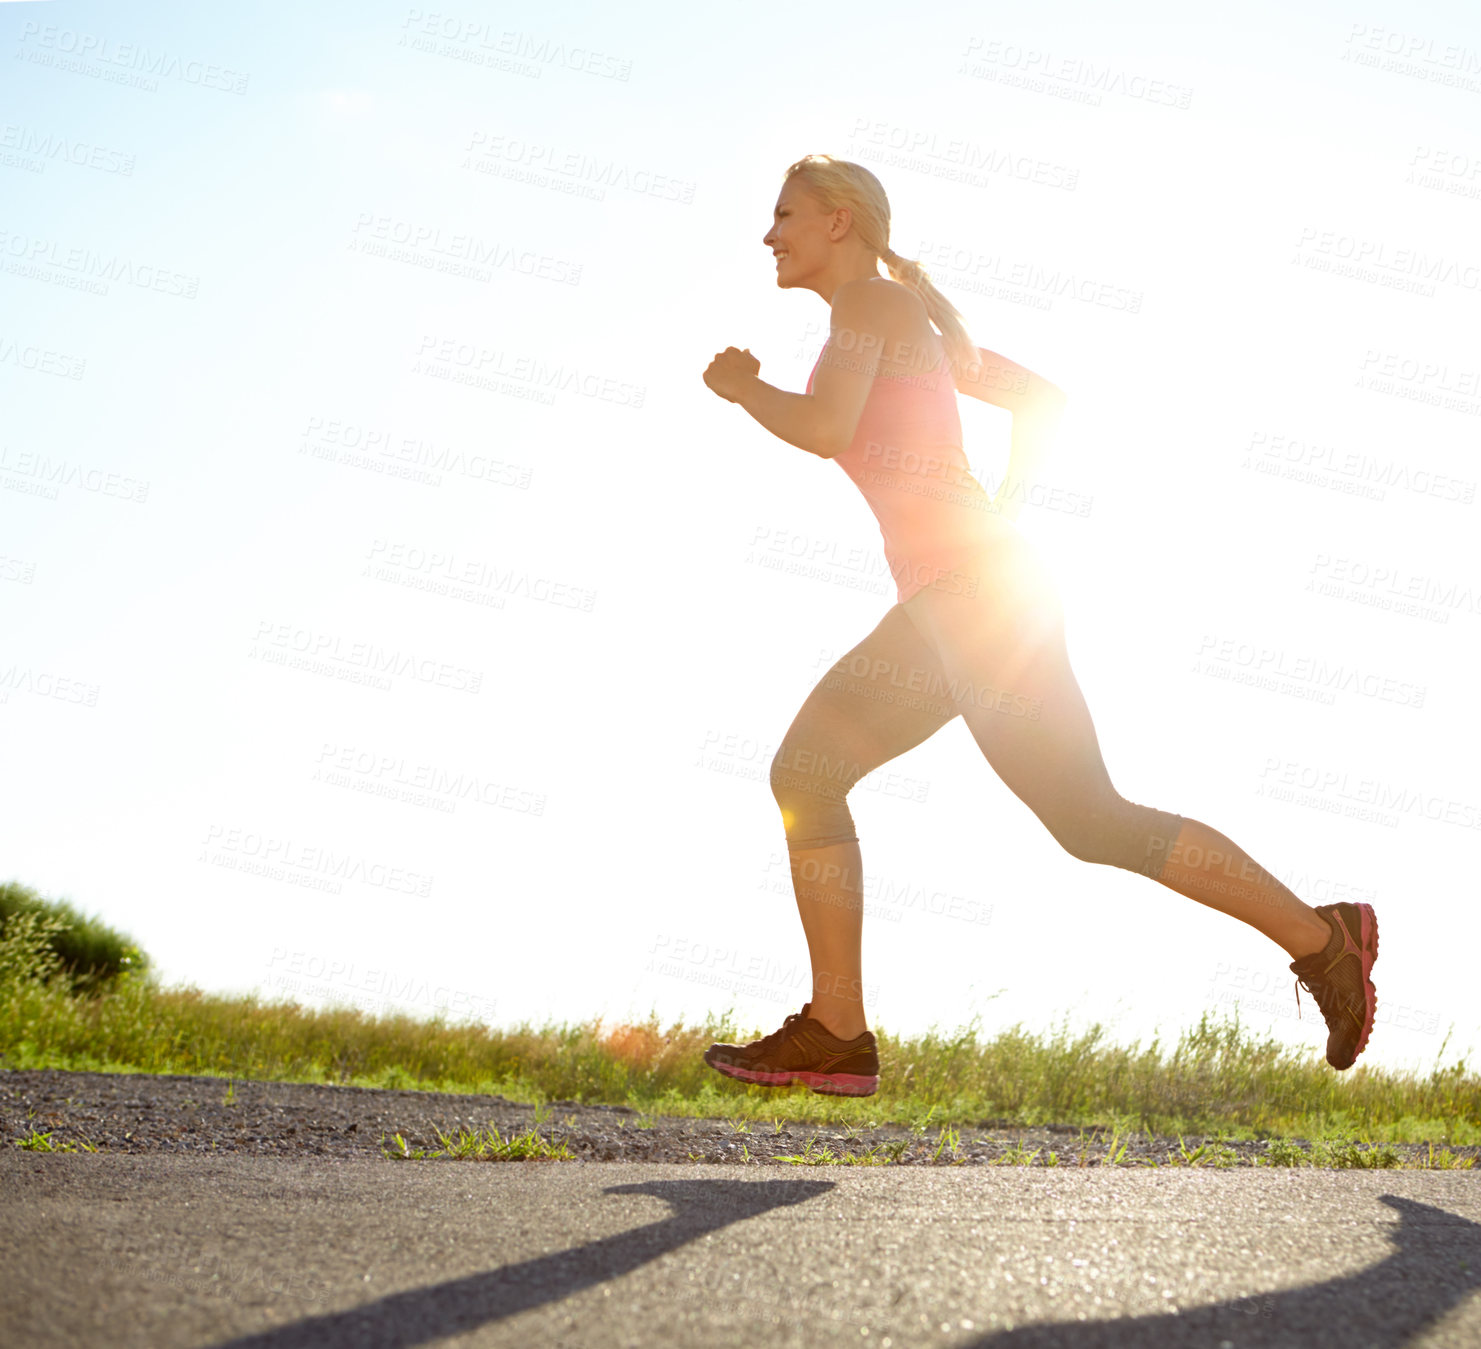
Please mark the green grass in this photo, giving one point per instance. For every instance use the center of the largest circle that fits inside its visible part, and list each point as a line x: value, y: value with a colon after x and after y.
x: 1018, y: 1155
x: 37, y: 1142
x: 1347, y: 1153
x: 1216, y: 1079
x: 1212, y: 1152
x: 812, y: 1155
x: 90, y: 954
x: 488, y: 1145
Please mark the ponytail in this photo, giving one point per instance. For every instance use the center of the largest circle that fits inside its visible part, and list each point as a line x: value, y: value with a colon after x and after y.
x: 961, y: 351
x: 841, y: 182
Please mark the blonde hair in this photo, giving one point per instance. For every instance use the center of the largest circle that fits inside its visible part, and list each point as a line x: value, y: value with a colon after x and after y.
x: 841, y: 182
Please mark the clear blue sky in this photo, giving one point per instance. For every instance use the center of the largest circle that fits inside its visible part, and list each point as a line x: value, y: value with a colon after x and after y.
x: 388, y: 611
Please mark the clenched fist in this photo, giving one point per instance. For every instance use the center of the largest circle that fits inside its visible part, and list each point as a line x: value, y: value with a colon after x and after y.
x: 729, y: 371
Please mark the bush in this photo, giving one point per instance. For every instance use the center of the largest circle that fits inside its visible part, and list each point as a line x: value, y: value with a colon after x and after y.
x: 90, y: 956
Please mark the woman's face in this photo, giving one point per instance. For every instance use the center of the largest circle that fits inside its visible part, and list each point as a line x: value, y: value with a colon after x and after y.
x: 799, y: 234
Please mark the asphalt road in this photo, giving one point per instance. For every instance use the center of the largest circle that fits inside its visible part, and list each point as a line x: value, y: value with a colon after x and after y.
x: 270, y: 1253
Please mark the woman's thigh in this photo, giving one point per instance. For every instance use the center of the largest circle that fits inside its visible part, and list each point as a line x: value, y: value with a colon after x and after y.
x: 880, y: 699
x: 1004, y: 649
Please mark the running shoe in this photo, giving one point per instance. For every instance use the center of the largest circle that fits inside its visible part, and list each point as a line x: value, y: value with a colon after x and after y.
x: 1337, y: 977
x: 805, y: 1051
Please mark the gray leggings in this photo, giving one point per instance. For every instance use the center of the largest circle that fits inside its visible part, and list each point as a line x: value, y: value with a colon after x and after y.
x: 997, y: 659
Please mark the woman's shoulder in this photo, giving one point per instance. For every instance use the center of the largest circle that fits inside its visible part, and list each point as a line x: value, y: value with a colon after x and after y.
x: 889, y: 317
x: 878, y: 292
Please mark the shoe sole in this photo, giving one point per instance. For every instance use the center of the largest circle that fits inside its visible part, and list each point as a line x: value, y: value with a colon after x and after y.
x: 825, y: 1084
x: 1367, y: 953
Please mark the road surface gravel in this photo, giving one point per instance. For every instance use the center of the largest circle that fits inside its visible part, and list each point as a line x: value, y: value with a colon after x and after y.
x: 138, y: 1112
x: 260, y: 1252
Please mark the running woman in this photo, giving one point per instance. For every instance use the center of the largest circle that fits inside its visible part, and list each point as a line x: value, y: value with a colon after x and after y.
x: 977, y: 632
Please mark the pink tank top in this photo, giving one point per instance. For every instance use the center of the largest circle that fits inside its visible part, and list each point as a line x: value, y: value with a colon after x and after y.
x: 906, y: 457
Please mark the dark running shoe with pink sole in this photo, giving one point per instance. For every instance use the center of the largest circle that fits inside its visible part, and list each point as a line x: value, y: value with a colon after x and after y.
x: 805, y: 1051
x: 1338, y: 978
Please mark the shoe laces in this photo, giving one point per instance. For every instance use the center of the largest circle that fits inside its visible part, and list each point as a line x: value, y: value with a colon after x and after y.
x: 769, y: 1042
x: 1327, y: 996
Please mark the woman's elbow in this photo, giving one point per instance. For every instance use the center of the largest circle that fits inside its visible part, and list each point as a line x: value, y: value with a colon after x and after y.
x: 825, y: 440
x: 1043, y: 402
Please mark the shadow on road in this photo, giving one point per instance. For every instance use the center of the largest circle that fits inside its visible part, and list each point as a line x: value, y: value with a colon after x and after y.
x: 1436, y: 1262
x: 421, y: 1315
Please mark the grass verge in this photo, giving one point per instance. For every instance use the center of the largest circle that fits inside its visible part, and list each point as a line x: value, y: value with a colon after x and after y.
x: 90, y: 954
x: 1217, y: 1078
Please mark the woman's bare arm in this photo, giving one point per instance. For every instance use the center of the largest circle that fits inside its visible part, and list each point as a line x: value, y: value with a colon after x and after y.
x: 1036, y: 405
x: 824, y: 421
x: 1006, y: 384
x: 1028, y: 446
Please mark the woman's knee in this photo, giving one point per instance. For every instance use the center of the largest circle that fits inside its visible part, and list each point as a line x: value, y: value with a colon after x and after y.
x: 1081, y: 834
x: 1113, y: 831
x: 812, y: 795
